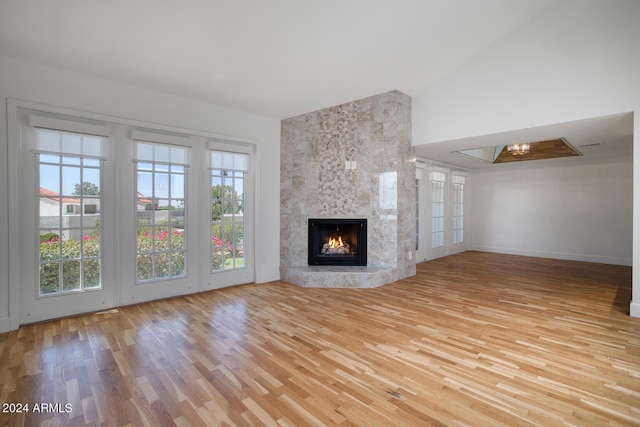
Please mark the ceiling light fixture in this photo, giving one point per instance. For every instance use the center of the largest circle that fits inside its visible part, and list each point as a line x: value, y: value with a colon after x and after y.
x: 519, y: 149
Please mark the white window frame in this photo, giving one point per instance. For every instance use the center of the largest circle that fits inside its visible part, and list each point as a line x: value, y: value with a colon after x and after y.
x: 425, y: 170
x: 27, y: 306
x: 246, y: 273
x: 118, y: 209
x: 233, y: 167
x: 423, y: 218
x: 165, y: 164
x: 457, y: 204
x: 129, y: 290
x: 77, y: 216
x: 438, y: 180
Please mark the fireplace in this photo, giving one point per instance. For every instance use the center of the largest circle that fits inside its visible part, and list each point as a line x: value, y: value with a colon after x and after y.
x: 337, y: 241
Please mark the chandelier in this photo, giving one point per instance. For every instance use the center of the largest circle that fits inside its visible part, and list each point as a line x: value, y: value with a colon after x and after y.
x: 518, y: 149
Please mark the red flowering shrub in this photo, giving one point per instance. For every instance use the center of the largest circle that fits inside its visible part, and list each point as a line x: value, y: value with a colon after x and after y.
x: 63, y: 269
x: 160, y: 254
x: 70, y: 264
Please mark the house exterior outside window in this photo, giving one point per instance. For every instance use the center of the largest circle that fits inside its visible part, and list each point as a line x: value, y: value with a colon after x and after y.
x: 437, y: 208
x: 70, y: 255
x: 228, y: 176
x: 458, y: 183
x: 161, y: 227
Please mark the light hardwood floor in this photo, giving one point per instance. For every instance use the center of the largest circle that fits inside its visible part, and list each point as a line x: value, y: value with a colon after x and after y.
x: 474, y: 339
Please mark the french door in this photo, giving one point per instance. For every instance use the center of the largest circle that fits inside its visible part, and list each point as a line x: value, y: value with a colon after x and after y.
x: 441, y: 206
x: 159, y: 207
x: 440, y: 232
x: 111, y: 214
x: 230, y: 217
x: 65, y: 263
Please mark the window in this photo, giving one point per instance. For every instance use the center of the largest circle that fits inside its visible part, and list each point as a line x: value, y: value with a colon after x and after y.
x: 228, y: 178
x: 69, y: 168
x: 458, y: 208
x: 107, y: 211
x: 437, y: 209
x: 161, y: 227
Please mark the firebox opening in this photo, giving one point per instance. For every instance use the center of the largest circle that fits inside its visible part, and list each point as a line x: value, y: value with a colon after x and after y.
x: 337, y: 242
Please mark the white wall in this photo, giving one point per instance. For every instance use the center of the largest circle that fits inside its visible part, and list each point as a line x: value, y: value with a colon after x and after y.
x: 577, y: 59
x: 581, y: 213
x: 30, y: 82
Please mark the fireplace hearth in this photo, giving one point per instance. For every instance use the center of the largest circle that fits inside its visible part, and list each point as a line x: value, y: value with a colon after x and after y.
x: 338, y: 241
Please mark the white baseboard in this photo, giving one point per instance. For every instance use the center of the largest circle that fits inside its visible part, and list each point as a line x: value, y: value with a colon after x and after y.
x: 267, y: 276
x: 5, y: 324
x: 556, y: 255
x: 634, y: 309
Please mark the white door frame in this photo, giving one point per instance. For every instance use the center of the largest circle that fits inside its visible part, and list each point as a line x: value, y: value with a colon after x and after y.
x: 27, y: 306
x: 119, y: 246
x: 425, y: 250
x: 224, y: 278
x: 423, y: 212
x: 129, y: 290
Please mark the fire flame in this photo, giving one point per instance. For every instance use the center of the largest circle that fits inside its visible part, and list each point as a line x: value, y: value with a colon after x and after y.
x: 336, y: 243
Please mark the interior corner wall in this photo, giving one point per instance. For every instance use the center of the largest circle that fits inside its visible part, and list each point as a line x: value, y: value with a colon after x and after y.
x: 576, y: 59
x: 582, y: 213
x: 5, y: 323
x: 635, y: 291
x: 52, y: 86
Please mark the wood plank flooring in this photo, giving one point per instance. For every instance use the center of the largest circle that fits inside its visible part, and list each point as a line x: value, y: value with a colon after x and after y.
x: 474, y: 339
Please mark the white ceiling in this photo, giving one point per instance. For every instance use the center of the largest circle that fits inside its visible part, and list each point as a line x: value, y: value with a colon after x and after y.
x: 283, y: 58
x: 278, y: 58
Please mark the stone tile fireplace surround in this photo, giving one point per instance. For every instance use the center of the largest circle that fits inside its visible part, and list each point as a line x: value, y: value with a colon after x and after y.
x: 353, y: 160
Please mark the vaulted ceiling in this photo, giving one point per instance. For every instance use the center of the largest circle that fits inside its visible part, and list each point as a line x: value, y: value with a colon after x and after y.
x: 282, y: 58
x: 278, y: 58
